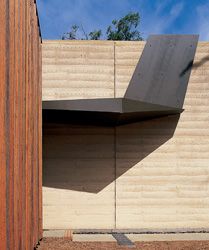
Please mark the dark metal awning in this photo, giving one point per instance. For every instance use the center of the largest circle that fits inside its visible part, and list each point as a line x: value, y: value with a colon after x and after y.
x: 105, y: 111
x: 157, y: 88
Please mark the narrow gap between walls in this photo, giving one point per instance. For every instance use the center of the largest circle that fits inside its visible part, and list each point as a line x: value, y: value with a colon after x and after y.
x: 115, y: 160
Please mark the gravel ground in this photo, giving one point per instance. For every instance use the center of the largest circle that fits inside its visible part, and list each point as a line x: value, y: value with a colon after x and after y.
x: 65, y: 244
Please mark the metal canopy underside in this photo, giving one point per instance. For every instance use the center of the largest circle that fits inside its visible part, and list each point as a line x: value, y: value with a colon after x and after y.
x: 157, y: 88
x: 115, y: 111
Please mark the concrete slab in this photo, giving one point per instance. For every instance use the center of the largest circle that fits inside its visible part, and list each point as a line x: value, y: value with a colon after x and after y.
x: 93, y: 238
x: 169, y: 237
x: 132, y: 237
x: 58, y: 234
x: 54, y: 233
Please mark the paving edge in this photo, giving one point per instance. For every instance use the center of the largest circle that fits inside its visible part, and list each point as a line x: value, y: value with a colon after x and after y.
x: 134, y: 237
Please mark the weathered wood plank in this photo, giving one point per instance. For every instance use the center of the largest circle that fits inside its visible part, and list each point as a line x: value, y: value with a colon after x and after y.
x: 20, y: 107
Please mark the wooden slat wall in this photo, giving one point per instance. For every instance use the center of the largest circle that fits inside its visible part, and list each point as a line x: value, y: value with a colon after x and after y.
x: 161, y: 166
x: 20, y: 123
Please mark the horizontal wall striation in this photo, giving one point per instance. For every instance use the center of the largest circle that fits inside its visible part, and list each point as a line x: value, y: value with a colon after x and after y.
x: 78, y: 70
x: 20, y: 126
x: 127, y: 55
x: 78, y: 177
x: 167, y: 184
x: 148, y: 175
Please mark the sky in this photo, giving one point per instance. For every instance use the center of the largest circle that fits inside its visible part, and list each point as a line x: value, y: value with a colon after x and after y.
x: 157, y: 16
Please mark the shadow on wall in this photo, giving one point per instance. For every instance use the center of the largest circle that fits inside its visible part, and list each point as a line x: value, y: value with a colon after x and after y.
x: 195, y: 65
x: 89, y: 158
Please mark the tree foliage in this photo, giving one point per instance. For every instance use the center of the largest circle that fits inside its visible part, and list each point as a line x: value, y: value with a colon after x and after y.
x: 95, y: 35
x: 78, y: 33
x: 72, y: 35
x: 124, y: 29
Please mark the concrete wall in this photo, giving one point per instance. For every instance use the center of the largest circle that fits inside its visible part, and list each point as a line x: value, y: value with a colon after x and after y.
x: 78, y: 70
x: 147, y: 175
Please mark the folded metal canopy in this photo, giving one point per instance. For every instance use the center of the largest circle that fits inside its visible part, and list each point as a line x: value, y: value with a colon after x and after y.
x: 157, y: 88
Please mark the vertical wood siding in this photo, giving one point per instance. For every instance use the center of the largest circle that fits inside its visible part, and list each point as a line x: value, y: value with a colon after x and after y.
x: 20, y: 126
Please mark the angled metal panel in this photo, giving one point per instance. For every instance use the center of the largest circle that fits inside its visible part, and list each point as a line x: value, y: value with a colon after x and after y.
x: 158, y: 87
x: 113, y: 105
x: 162, y: 74
x: 130, y: 106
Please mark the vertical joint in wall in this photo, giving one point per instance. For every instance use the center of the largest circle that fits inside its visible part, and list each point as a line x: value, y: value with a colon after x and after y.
x: 114, y: 44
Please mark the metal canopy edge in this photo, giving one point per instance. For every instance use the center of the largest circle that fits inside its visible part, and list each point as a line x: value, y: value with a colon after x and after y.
x: 157, y: 88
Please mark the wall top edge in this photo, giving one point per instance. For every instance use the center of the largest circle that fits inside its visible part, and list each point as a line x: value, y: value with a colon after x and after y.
x: 103, y: 42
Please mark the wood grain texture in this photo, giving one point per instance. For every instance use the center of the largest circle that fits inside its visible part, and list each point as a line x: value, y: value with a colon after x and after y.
x: 20, y: 137
x: 161, y: 166
x: 3, y: 160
